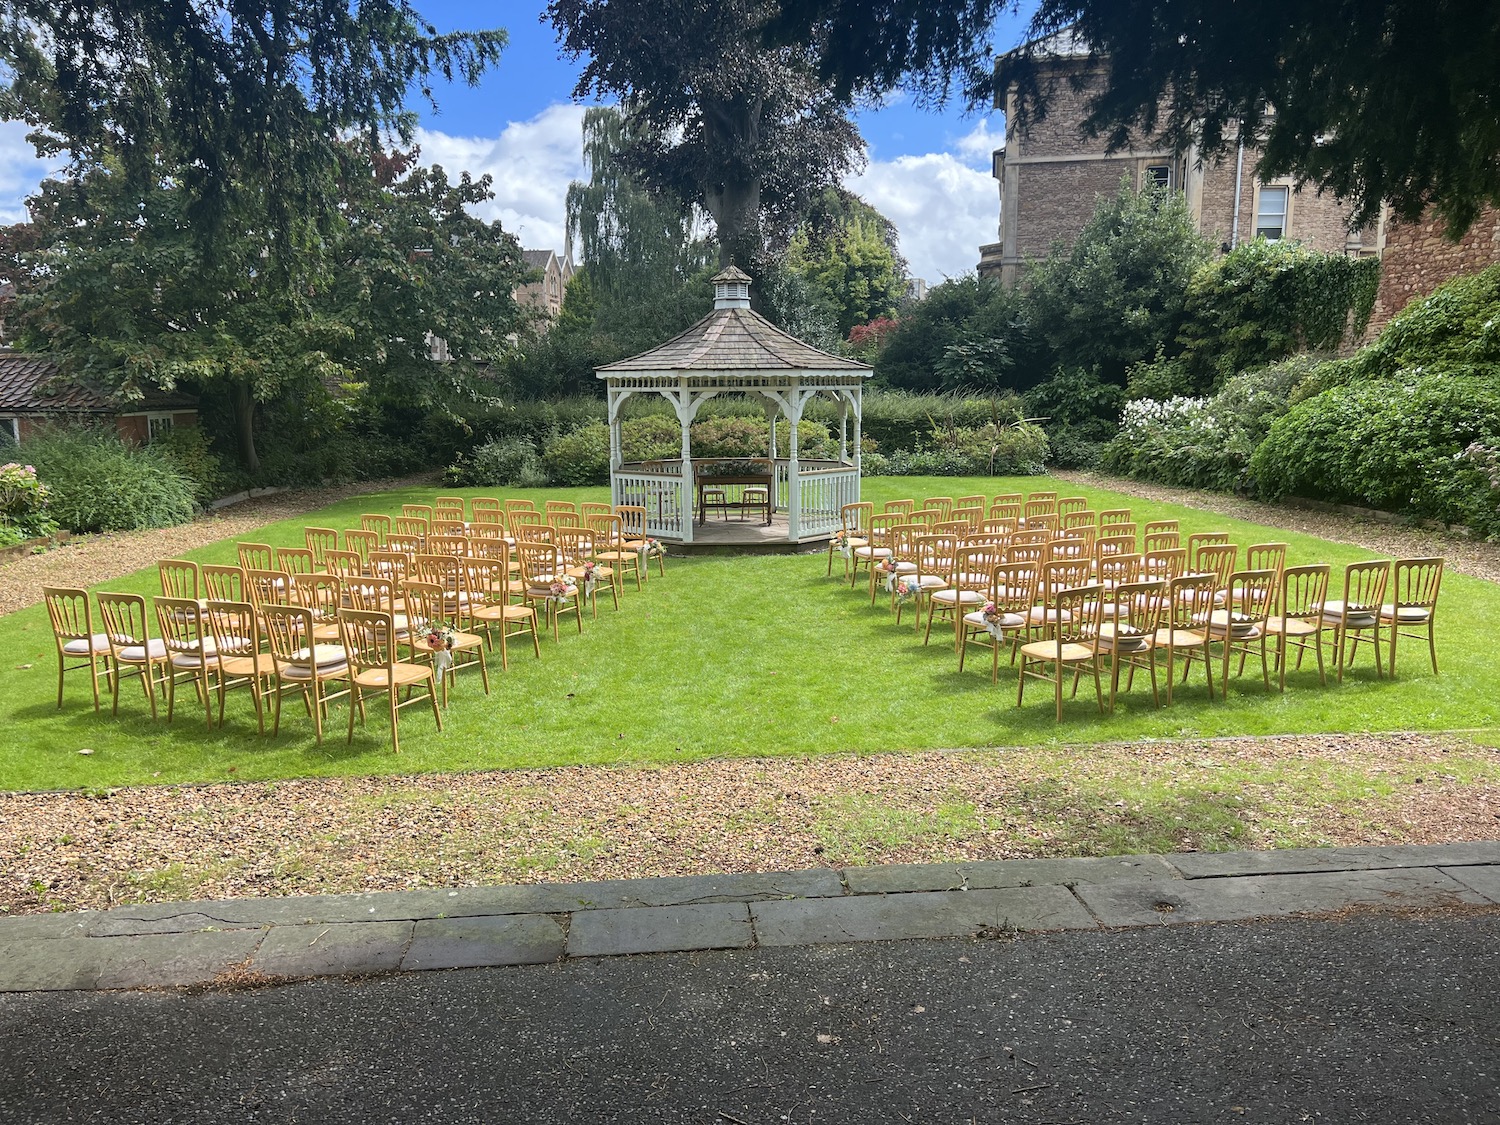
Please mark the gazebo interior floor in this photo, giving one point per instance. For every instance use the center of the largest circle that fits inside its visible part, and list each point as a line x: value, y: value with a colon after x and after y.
x: 749, y: 534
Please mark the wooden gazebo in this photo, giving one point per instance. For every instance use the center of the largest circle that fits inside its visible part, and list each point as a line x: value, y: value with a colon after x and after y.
x: 736, y: 350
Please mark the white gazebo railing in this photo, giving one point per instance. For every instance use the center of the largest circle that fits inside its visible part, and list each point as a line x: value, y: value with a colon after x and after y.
x: 824, y: 492
x: 662, y: 490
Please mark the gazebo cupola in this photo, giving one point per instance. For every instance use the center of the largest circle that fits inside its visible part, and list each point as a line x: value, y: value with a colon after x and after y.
x: 735, y: 350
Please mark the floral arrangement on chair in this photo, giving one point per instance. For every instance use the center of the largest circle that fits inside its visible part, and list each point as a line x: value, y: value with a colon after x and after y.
x: 590, y: 578
x: 441, y: 638
x: 560, y: 591
x: 991, y: 615
x: 652, y: 548
x: 889, y: 567
x: 907, y: 588
x: 842, y: 544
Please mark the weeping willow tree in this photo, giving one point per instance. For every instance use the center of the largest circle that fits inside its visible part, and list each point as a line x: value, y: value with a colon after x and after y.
x: 646, y: 257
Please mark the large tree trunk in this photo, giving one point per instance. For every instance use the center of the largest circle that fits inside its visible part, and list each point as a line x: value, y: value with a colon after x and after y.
x: 244, y: 426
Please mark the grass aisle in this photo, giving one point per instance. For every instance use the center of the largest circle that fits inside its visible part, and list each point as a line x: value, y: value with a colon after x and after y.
x: 728, y: 656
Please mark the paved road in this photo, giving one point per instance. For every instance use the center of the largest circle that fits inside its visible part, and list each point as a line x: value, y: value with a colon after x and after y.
x: 1368, y: 1019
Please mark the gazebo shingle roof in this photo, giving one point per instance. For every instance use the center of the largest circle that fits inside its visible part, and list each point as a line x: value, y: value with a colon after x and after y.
x: 733, y: 340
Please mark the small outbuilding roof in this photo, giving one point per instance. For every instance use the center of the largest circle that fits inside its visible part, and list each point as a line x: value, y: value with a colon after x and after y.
x: 29, y: 385
x: 733, y: 338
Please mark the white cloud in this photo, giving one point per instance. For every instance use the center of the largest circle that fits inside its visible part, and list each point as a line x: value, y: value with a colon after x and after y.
x: 979, y: 143
x: 532, y: 163
x: 20, y: 171
x: 943, y: 208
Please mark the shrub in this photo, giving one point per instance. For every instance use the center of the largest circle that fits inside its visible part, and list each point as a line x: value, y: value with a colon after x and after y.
x: 510, y: 462
x: 1078, y: 410
x: 1458, y: 324
x: 189, y: 449
x: 23, y: 505
x: 99, y: 483
x: 655, y: 437
x: 901, y: 420
x: 579, y: 458
x: 741, y: 438
x: 1397, y: 445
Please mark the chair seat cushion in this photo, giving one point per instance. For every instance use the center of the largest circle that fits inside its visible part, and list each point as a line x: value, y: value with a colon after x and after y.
x: 1041, y: 615
x: 873, y: 552
x: 1292, y: 626
x: 321, y: 655
x: 1047, y: 650
x: 136, y: 654
x: 1239, y: 626
x: 82, y: 646
x: 1359, y: 616
x: 1124, y: 637
x: 304, y: 671
x: 400, y: 674
x: 1406, y: 615
x: 1005, y: 620
x: 958, y: 597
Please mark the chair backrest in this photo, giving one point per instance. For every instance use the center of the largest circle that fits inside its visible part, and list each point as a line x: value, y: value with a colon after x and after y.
x: 264, y: 588
x: 295, y: 560
x: 392, y: 565
x: 1076, y: 614
x: 377, y: 594
x: 1108, y: 545
x: 233, y: 626
x: 1304, y: 589
x: 1008, y: 498
x: 489, y: 578
x: 607, y: 528
x: 414, y: 527
x: 180, y: 624
x: 1165, y: 564
x: 1191, y: 601
x: 950, y: 527
x: 1200, y: 539
x: 1114, y: 515
x: 222, y: 583
x: 123, y: 618
x: 1120, y: 570
x: 1075, y: 544
x: 1040, y: 497
x: 539, y: 563
x: 288, y: 631
x: 320, y: 593
x: 1061, y: 574
x: 1364, y: 587
x: 179, y: 578
x: 899, y: 507
x: 562, y: 518
x: 594, y: 508
x: 456, y: 502
x: 484, y: 529
x: 1031, y: 535
x: 1046, y: 521
x: 1079, y: 517
x: 937, y: 555
x: 1160, y: 541
x: 512, y: 506
x: 377, y: 523
x: 924, y: 517
x: 973, y: 565
x: 972, y: 516
x: 346, y: 564
x: 1158, y: 527
x: 320, y: 540
x: 440, y: 526
x: 1139, y: 606
x: 404, y: 544
x: 256, y: 556
x: 1415, y: 583
x: 524, y: 523
x: 68, y: 609
x: 417, y: 511
x: 855, y: 518
x: 943, y: 505
x: 370, y: 640
x: 361, y: 543
x: 481, y: 504
x: 903, y: 540
x: 1005, y: 511
x: 1031, y: 553
x: 883, y: 528
x: 455, y: 545
x: 561, y: 506
x: 1013, y: 586
x: 997, y: 526
x: 1219, y: 560
x: 1034, y: 511
x: 1251, y: 597
x: 424, y: 604
x: 447, y: 516
x: 632, y: 520
x: 1265, y: 556
x: 1067, y: 505
x: 575, y: 545
x: 976, y: 500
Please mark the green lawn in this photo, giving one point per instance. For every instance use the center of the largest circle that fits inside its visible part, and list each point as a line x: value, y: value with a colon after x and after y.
x: 726, y: 656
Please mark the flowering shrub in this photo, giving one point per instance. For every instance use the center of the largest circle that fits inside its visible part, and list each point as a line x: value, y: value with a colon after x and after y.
x: 23, y: 504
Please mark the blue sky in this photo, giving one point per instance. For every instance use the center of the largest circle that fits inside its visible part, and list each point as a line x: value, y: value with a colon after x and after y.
x: 927, y: 171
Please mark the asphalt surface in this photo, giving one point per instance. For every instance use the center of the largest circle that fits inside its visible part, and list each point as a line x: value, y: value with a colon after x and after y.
x: 1367, y: 1019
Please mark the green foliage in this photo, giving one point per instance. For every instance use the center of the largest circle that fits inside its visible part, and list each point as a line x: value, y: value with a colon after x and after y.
x: 1078, y: 411
x: 191, y: 451
x: 23, y: 505
x: 1264, y: 301
x: 897, y: 420
x: 849, y: 261
x: 656, y: 437
x: 1114, y: 295
x: 97, y: 482
x: 502, y: 463
x: 1458, y: 323
x: 580, y: 457
x: 1394, y: 444
x: 743, y: 438
x: 974, y: 315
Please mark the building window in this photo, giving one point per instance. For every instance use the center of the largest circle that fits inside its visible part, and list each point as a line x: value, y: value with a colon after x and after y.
x: 1270, y: 213
x: 157, y: 426
x: 10, y: 431
x: 1157, y: 175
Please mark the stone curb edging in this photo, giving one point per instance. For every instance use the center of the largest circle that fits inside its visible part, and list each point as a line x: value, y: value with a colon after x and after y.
x: 262, y: 940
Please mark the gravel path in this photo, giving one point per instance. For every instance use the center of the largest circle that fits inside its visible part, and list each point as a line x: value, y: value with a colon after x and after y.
x: 1464, y: 555
x: 89, y: 559
x: 315, y: 836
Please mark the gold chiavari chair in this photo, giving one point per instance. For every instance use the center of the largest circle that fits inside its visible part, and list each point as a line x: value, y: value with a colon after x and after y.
x: 370, y: 640
x: 320, y: 540
x: 1298, y: 620
x: 1011, y: 597
x: 1070, y: 641
x: 1413, y: 605
x: 1354, y: 619
x: 73, y: 630
x: 131, y: 645
x: 190, y: 654
x: 1190, y: 606
x: 377, y: 524
x: 303, y: 663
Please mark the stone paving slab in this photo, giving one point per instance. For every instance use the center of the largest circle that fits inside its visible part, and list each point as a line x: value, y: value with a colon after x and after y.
x: 334, y: 949
x: 660, y: 929
x: 1205, y: 865
x: 989, y: 874
x: 461, y: 943
x: 44, y: 927
x: 165, y: 960
x: 918, y: 915
x: 1485, y: 880
x: 1262, y: 896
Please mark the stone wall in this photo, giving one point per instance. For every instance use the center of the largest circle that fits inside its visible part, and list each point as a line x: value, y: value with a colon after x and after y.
x: 1419, y: 257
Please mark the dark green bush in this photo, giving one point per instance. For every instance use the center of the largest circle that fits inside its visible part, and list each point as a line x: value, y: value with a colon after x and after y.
x: 1458, y: 324
x: 99, y: 483
x: 1392, y: 444
x: 189, y: 449
x: 900, y: 420
x: 23, y: 504
x: 655, y: 437
x: 511, y: 462
x: 579, y: 458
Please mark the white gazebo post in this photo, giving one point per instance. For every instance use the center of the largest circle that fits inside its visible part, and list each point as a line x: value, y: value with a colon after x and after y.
x: 843, y: 428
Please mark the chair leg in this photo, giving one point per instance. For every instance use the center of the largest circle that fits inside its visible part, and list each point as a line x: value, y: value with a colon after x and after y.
x: 355, y: 698
x: 395, y: 721
x: 1431, y: 648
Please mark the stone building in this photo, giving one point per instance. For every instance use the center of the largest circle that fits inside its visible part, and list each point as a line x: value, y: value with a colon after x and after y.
x: 1052, y: 174
x: 1418, y: 257
x: 545, y: 294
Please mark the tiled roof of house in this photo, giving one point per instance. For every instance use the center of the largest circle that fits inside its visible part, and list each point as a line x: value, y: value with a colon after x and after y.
x: 537, y: 259
x: 29, y: 385
x: 733, y: 340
